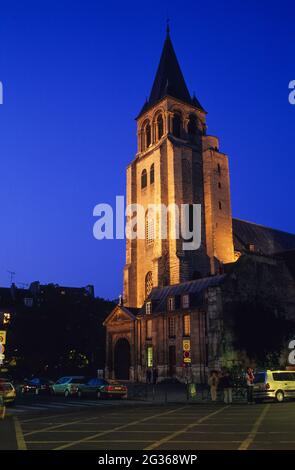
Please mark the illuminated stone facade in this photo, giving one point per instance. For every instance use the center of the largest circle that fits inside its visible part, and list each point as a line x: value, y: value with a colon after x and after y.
x: 177, y: 163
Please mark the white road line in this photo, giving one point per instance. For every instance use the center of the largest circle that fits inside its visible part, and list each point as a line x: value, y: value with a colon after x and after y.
x: 24, y: 407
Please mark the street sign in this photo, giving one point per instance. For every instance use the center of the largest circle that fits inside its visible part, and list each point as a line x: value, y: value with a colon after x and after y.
x: 2, y: 337
x: 186, y: 346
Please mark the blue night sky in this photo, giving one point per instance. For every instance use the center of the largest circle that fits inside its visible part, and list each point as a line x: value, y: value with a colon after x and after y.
x: 75, y: 74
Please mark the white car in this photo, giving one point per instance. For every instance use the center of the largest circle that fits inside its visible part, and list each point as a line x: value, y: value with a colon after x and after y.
x: 274, y: 384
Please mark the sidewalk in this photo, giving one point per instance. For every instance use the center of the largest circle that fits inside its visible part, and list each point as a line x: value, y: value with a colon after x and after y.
x: 174, y: 393
x: 8, y: 439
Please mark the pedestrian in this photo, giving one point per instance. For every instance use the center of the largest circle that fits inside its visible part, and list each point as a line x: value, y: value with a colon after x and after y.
x: 155, y: 375
x: 148, y: 376
x: 213, y: 384
x: 227, y: 384
x: 250, y: 384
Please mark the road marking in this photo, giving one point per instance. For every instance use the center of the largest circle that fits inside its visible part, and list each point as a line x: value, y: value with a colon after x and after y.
x: 56, y: 426
x: 21, y: 445
x: 50, y: 416
x: 248, y: 441
x: 184, y: 430
x: 118, y: 428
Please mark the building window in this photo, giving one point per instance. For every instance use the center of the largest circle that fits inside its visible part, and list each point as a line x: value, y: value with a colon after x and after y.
x: 148, y: 135
x: 176, y: 125
x: 148, y: 308
x: 152, y: 174
x: 149, y: 227
x: 219, y: 185
x: 149, y: 325
x: 171, y: 327
x: 148, y: 283
x: 143, y: 179
x: 150, y: 356
x: 186, y: 325
x: 192, y: 125
x: 160, y: 126
x: 171, y: 304
x: 28, y: 302
x: 185, y: 301
x: 219, y: 169
x: 220, y: 206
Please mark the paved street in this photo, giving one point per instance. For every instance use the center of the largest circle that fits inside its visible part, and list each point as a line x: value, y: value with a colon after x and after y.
x: 124, y: 425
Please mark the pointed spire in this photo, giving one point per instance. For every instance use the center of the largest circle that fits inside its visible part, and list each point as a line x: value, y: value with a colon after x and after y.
x: 169, y: 80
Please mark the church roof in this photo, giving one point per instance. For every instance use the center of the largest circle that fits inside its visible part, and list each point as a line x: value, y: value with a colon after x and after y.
x: 267, y: 241
x: 169, y: 80
x: 159, y: 295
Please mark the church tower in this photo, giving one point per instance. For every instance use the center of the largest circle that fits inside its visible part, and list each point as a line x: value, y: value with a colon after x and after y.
x: 176, y: 163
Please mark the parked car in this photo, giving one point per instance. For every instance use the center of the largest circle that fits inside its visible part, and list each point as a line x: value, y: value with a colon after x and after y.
x: 101, y: 388
x: 68, y: 386
x: 274, y: 384
x: 8, y: 392
x: 37, y: 386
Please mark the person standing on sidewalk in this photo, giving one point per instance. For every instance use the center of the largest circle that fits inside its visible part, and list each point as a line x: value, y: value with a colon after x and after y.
x: 148, y: 375
x: 227, y: 384
x: 213, y: 384
x: 155, y: 375
x: 250, y: 384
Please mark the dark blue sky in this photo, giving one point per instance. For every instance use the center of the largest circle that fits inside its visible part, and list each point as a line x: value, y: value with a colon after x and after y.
x: 76, y: 73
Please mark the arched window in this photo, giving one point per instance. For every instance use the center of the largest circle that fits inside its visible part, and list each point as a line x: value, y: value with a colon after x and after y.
x: 152, y: 174
x: 148, y: 135
x: 143, y: 179
x: 148, y: 283
x: 176, y: 125
x: 192, y: 127
x: 149, y: 227
x: 160, y: 126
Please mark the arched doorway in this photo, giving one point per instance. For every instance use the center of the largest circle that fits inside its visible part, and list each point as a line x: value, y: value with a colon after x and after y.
x: 122, y: 359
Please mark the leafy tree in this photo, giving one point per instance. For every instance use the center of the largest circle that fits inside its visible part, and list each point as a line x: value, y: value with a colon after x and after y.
x: 259, y: 329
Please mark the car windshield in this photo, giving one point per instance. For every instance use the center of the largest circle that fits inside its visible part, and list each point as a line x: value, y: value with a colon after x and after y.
x: 97, y: 382
x: 63, y: 380
x: 35, y: 381
x: 259, y: 378
x: 77, y: 381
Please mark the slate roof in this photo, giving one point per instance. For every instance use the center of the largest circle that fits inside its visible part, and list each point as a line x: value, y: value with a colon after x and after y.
x: 133, y: 310
x: 159, y: 295
x: 169, y: 80
x: 267, y: 241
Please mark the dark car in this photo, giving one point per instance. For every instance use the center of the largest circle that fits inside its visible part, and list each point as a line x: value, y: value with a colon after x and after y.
x: 36, y: 386
x: 101, y: 388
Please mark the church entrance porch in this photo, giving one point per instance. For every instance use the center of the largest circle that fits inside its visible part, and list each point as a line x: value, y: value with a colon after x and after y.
x: 122, y: 359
